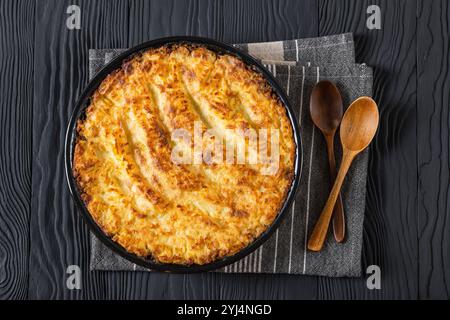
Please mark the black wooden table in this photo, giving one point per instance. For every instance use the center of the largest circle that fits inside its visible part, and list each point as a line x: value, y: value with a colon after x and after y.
x: 43, y: 68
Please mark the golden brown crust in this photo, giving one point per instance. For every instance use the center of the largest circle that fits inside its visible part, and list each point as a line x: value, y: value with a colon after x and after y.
x: 152, y: 206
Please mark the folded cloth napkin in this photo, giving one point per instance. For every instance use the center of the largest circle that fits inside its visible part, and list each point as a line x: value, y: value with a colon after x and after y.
x: 297, y: 65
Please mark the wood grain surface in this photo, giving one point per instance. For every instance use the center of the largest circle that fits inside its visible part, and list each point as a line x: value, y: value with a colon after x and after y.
x: 43, y: 69
x: 433, y: 148
x: 16, y: 102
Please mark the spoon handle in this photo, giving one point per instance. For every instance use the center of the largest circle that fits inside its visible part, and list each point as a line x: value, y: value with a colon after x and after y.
x: 338, y: 212
x: 319, y: 233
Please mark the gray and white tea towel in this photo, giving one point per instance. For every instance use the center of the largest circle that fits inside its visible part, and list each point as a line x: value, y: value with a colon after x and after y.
x: 298, y: 65
x: 335, y: 49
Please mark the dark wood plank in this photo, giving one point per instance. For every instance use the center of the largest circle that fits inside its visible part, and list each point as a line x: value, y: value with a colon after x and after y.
x: 390, y: 228
x: 153, y: 19
x: 16, y: 100
x: 433, y: 148
x: 257, y: 21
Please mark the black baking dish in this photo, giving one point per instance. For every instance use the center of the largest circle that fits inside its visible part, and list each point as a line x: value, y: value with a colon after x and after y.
x: 83, y: 102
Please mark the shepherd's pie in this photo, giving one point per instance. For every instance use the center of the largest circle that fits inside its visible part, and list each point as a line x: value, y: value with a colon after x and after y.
x: 172, y: 212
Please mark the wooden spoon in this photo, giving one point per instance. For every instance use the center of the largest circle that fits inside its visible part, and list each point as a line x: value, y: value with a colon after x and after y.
x: 358, y: 128
x: 326, y: 112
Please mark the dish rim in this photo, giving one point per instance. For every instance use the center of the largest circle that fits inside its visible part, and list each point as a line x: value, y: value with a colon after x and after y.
x: 83, y: 102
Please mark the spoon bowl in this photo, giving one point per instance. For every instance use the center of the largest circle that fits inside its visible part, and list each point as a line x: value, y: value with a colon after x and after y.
x: 360, y: 124
x: 326, y: 106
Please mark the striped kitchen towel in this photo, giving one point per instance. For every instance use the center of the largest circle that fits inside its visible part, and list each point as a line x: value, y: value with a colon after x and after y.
x: 298, y: 65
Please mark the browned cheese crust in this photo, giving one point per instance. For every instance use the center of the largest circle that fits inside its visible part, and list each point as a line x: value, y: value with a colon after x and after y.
x: 154, y: 207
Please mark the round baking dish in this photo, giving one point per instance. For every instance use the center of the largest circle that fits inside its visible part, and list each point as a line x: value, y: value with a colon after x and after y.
x: 81, y: 106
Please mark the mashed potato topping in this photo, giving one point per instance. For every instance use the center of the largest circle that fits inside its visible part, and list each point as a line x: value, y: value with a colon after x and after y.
x: 179, y: 212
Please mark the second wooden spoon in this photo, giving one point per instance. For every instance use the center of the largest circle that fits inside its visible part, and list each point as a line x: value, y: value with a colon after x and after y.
x: 326, y: 112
